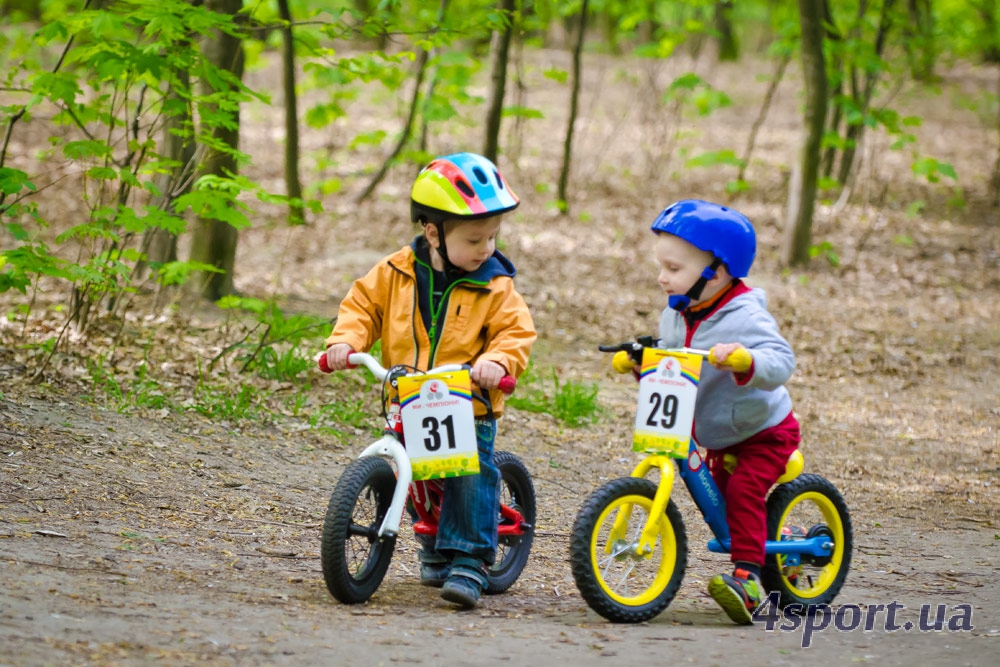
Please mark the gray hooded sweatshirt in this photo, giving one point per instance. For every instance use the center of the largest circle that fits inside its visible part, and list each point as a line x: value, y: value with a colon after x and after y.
x: 725, y: 412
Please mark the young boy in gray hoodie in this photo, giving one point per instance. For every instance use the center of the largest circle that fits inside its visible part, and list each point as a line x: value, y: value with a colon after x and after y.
x: 703, y: 250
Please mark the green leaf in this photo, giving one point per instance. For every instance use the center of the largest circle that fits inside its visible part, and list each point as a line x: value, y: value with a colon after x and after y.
x: 17, y: 231
x: 688, y: 81
x: 160, y: 219
x: 13, y: 181
x: 373, y: 138
x: 177, y: 273
x: 736, y: 186
x: 78, y: 150
x: 59, y: 86
x: 522, y: 112
x: 102, y: 173
x: 557, y: 75
x: 948, y: 170
x: 714, y: 158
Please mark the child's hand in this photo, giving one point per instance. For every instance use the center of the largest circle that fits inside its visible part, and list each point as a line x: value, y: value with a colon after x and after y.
x: 336, y: 356
x: 732, y: 357
x: 487, y: 374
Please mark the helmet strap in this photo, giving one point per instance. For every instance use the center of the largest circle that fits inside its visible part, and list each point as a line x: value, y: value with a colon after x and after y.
x: 451, y: 271
x: 680, y: 302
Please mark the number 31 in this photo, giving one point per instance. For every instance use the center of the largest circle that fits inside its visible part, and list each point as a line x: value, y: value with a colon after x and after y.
x: 433, y: 443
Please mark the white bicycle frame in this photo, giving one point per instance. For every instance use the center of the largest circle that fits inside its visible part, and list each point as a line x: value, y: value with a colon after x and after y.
x: 389, y: 446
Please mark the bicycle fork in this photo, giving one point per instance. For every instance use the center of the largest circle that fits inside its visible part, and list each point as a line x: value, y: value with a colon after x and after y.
x: 647, y: 539
x: 389, y: 445
x: 702, y: 488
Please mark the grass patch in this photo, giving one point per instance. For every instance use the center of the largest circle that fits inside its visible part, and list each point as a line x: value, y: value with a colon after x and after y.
x: 572, y: 403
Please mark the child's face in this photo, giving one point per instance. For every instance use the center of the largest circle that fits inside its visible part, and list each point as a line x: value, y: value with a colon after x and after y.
x: 470, y: 243
x: 681, y: 265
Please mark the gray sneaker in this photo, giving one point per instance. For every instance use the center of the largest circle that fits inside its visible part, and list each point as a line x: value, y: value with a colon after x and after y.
x: 434, y: 574
x: 462, y: 590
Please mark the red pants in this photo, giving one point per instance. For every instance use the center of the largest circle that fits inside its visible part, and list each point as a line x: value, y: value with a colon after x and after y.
x: 760, y: 461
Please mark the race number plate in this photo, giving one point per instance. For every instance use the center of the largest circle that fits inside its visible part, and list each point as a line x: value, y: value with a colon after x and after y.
x: 438, y: 424
x: 668, y: 386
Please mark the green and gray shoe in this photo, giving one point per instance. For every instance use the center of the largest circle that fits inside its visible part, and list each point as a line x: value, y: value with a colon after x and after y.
x: 738, y: 595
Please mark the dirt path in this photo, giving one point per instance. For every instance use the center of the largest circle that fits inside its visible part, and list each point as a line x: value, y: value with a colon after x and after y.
x: 130, y: 540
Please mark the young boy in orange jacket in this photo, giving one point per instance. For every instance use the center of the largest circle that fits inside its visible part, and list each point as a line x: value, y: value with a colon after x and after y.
x: 449, y: 297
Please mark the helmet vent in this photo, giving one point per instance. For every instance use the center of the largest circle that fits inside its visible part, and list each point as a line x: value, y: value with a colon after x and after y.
x: 464, y: 187
x: 496, y: 174
x: 480, y: 174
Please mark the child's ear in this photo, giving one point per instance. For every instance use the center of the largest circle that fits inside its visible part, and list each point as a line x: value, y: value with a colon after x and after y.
x: 431, y: 233
x: 722, y: 275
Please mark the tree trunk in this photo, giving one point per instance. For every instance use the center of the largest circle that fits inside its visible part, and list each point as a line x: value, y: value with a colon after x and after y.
x: 863, y: 97
x: 422, y: 60
x: 381, y: 41
x: 293, y: 186
x: 177, y: 144
x: 988, y: 34
x: 995, y: 178
x: 921, y: 46
x: 802, y: 190
x: 500, y: 55
x: 574, y: 103
x: 832, y: 33
x: 21, y: 10
x: 214, y: 241
x: 515, y: 134
x: 423, y: 143
x: 729, y: 48
x: 610, y: 18
x: 762, y: 114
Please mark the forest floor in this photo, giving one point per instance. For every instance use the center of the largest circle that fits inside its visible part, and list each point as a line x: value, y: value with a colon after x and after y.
x: 137, y: 535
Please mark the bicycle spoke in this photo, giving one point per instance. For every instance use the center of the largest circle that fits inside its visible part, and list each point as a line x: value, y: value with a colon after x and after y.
x: 623, y: 580
x: 357, y: 530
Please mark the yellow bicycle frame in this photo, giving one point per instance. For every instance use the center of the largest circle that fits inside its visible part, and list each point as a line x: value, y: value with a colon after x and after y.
x: 659, y: 508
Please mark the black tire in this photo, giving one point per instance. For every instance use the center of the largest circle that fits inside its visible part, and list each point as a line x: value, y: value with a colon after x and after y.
x: 517, y: 491
x: 612, y: 596
x: 354, y: 558
x: 808, y: 505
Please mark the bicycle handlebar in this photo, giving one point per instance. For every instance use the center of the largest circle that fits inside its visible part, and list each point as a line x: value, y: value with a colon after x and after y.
x: 507, y: 383
x: 740, y: 360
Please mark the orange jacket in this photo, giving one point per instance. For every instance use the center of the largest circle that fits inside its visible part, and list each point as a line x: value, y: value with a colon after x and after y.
x: 485, y: 319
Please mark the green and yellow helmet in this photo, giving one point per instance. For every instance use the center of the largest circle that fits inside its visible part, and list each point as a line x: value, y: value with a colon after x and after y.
x: 462, y: 186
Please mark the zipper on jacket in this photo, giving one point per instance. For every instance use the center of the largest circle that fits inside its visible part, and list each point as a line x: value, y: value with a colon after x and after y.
x: 414, y: 313
x: 437, y: 317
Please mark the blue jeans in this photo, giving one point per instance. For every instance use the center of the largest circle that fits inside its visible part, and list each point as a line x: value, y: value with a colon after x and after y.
x: 470, y: 509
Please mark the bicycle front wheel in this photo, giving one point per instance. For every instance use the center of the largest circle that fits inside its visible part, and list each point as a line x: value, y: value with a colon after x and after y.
x: 355, y: 559
x: 808, y: 506
x: 618, y: 582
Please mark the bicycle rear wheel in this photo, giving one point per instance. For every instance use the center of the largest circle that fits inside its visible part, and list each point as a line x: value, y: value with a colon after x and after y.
x: 808, y: 506
x: 354, y: 558
x: 517, y: 492
x: 617, y: 581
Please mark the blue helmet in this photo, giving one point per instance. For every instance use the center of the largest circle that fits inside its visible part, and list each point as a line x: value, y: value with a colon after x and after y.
x: 722, y: 231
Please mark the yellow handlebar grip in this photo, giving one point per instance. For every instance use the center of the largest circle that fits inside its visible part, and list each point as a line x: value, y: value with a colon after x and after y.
x: 739, y: 360
x: 622, y: 362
